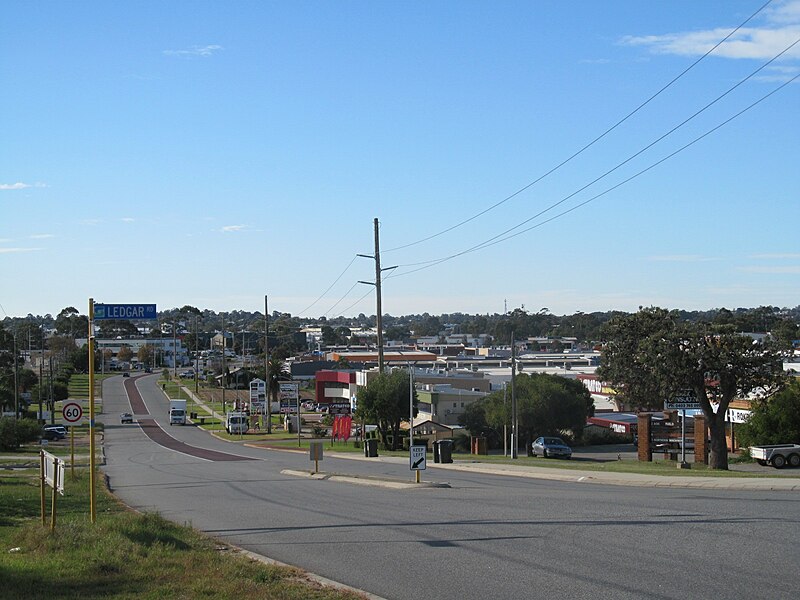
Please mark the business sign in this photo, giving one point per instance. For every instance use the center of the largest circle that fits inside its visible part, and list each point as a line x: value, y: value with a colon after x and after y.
x: 737, y: 415
x: 258, y: 395
x: 125, y: 311
x: 289, y: 395
x: 684, y: 400
x: 417, y: 458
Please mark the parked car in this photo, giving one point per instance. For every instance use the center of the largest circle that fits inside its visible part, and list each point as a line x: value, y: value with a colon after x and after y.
x: 125, y: 418
x: 126, y: 374
x: 550, y: 447
x: 54, y: 432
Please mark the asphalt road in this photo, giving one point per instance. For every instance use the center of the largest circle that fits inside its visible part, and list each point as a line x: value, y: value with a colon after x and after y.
x: 485, y: 536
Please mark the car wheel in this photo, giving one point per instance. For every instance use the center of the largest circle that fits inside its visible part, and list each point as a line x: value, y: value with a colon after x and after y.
x: 762, y: 462
x: 778, y: 461
x: 794, y: 460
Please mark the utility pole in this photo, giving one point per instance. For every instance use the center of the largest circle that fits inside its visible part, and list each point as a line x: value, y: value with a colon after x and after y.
x: 514, y: 428
x: 377, y: 284
x: 224, y: 378
x: 266, y: 365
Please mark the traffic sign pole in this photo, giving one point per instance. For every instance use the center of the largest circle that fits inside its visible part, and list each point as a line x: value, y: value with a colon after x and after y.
x: 92, y: 511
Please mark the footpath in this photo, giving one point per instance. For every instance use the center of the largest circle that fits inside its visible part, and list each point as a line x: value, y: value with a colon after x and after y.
x: 787, y: 484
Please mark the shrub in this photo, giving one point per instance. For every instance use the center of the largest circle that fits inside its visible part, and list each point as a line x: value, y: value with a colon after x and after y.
x: 15, y: 432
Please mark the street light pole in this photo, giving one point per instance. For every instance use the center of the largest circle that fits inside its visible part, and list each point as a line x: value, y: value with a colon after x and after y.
x: 514, y: 429
x: 266, y: 365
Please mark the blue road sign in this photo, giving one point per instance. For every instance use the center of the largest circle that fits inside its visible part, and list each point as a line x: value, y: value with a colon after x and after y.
x: 125, y: 311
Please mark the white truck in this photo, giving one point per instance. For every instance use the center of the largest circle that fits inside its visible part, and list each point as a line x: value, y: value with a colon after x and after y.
x: 177, y: 412
x: 778, y: 455
x: 236, y: 422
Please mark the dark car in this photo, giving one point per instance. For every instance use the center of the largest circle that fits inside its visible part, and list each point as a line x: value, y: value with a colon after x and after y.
x: 54, y: 432
x: 550, y: 447
x: 126, y: 374
x: 126, y: 418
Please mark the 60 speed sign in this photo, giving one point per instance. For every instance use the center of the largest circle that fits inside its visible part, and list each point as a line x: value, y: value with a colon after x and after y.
x: 72, y: 412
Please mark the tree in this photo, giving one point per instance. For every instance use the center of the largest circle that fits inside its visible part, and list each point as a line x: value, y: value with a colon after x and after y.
x: 125, y: 353
x: 71, y: 323
x: 651, y: 356
x: 775, y: 420
x: 546, y: 405
x: 145, y: 354
x: 385, y: 401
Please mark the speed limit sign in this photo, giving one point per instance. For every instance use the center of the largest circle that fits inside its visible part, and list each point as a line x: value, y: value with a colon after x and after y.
x: 72, y: 412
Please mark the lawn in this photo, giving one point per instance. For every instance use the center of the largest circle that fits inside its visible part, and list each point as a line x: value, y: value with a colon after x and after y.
x: 124, y: 554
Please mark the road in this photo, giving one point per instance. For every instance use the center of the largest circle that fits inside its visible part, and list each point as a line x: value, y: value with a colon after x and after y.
x: 485, y: 536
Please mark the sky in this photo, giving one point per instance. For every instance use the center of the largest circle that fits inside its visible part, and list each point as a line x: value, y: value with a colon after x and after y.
x: 211, y: 153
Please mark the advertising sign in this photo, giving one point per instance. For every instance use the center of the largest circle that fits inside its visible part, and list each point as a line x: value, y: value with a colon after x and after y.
x: 258, y: 395
x: 289, y: 394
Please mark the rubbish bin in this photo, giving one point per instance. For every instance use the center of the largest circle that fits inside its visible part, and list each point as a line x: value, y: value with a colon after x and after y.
x: 193, y: 416
x: 370, y: 448
x: 445, y: 451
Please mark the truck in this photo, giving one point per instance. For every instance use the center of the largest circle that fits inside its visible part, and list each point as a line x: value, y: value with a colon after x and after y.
x: 778, y: 455
x: 236, y: 422
x: 177, y: 412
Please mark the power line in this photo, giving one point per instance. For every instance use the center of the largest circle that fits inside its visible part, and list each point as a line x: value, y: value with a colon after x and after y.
x: 339, y: 301
x: 587, y: 146
x: 322, y: 295
x: 498, y: 239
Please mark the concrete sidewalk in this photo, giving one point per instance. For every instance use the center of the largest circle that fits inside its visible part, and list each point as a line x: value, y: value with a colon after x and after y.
x: 579, y: 476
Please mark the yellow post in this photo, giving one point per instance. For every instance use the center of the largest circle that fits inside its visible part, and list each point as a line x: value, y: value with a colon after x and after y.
x: 42, y: 484
x: 418, y: 480
x: 92, y: 512
x: 72, y: 451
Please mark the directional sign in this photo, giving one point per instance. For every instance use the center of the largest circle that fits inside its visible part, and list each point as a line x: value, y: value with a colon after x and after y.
x: 125, y: 311
x: 72, y: 412
x: 417, y: 458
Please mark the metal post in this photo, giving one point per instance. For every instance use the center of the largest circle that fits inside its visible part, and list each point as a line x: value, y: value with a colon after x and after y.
x: 92, y: 508
x: 410, y: 406
x: 196, y: 359
x: 266, y: 365
x: 505, y: 419
x: 223, y: 379
x: 514, y: 431
x: 379, y: 316
x: 16, y: 386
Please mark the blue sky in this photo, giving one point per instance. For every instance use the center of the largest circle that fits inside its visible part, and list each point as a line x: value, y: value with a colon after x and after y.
x: 209, y: 153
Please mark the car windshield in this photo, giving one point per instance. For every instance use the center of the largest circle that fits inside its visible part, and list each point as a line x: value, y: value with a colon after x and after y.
x: 554, y: 441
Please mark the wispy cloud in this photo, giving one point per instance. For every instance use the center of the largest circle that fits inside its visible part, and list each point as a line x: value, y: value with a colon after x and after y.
x: 788, y: 270
x: 684, y: 258
x: 194, y: 51
x: 233, y: 228
x: 42, y: 236
x: 781, y: 28
x: 13, y: 250
x: 127, y: 219
x: 783, y: 256
x: 21, y: 186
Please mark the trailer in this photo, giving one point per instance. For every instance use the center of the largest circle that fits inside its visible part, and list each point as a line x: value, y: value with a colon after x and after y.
x: 778, y: 455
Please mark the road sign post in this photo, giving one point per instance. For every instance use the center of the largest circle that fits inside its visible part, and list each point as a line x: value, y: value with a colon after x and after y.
x: 72, y: 413
x: 418, y: 459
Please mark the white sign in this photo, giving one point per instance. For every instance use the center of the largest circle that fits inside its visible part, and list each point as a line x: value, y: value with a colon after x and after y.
x: 418, y: 457
x: 54, y: 472
x: 736, y: 415
x: 683, y: 400
x: 288, y: 391
x: 258, y: 395
x: 72, y: 412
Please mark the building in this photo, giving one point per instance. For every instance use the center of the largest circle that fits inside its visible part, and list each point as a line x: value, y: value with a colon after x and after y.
x: 444, y: 404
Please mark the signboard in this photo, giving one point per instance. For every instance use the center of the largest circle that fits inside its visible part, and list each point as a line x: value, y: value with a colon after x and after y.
x: 684, y: 400
x: 417, y: 458
x: 289, y: 394
x: 53, y: 472
x: 72, y: 412
x: 125, y: 311
x: 339, y: 408
x: 315, y: 450
x: 737, y: 415
x: 258, y: 395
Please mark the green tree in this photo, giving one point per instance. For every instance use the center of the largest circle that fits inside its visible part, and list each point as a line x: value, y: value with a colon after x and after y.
x: 775, y: 420
x: 145, y: 354
x: 652, y: 356
x: 70, y: 322
x: 384, y: 401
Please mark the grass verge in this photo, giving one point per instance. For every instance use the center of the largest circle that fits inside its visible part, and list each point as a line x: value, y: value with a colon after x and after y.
x: 124, y: 554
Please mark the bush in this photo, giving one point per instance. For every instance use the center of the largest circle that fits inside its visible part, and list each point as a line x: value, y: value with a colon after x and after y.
x: 15, y: 432
x: 594, y: 436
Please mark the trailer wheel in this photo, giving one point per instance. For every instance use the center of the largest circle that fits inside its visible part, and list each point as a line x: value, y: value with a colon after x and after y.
x: 779, y: 461
x: 762, y: 462
x: 794, y: 460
